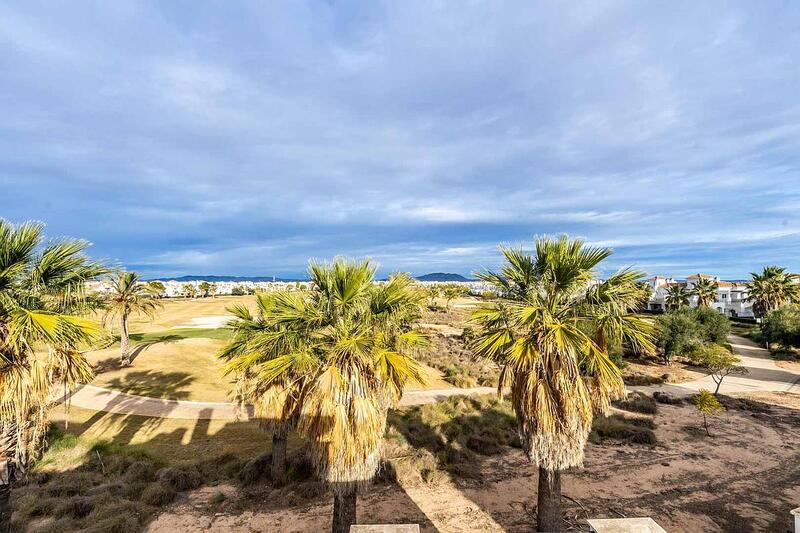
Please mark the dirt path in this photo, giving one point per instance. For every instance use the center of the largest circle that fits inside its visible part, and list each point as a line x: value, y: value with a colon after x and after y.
x: 764, y: 376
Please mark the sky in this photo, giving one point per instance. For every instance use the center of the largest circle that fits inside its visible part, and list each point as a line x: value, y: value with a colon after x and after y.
x: 243, y: 138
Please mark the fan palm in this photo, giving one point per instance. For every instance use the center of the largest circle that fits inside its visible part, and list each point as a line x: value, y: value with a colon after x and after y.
x: 337, y: 357
x: 551, y: 334
x: 128, y: 296
x: 677, y: 296
x: 771, y: 289
x: 255, y: 341
x: 706, y: 291
x: 41, y: 296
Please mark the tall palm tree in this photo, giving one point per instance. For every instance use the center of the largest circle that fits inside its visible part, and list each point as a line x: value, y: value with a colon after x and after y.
x: 677, y: 296
x: 205, y: 289
x: 339, y: 355
x: 255, y: 341
x: 156, y: 288
x: 41, y: 298
x: 706, y: 291
x: 189, y: 290
x: 551, y: 334
x: 128, y: 296
x: 771, y: 289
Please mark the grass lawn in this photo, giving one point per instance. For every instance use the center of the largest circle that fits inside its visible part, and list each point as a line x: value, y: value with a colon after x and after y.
x: 180, y: 363
x: 178, y: 311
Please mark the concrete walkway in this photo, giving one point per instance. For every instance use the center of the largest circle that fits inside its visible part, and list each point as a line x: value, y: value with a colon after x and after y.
x: 100, y: 399
x: 763, y: 375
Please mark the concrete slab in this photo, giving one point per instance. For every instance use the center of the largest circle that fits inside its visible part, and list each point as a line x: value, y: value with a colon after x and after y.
x: 625, y: 525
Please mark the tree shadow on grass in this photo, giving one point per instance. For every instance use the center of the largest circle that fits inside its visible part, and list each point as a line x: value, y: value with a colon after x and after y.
x: 154, y: 384
x: 120, y: 482
x: 113, y: 363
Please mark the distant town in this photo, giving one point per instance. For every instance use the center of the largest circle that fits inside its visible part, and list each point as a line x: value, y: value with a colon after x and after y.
x: 732, y: 297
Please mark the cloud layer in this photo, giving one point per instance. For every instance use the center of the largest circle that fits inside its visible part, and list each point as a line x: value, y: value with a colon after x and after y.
x: 244, y: 138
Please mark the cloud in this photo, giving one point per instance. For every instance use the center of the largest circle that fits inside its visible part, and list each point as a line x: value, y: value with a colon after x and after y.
x: 250, y: 137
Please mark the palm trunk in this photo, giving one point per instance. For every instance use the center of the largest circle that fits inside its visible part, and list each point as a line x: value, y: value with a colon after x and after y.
x: 8, y: 449
x: 279, y: 456
x: 344, y: 510
x: 5, y: 495
x: 548, y: 512
x: 125, y: 357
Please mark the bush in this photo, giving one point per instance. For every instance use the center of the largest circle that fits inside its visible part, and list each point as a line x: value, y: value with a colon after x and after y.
x: 75, y: 507
x: 676, y: 333
x: 782, y: 326
x: 714, y: 327
x: 256, y: 470
x: 180, y: 479
x: 680, y: 331
x: 662, y: 397
x: 638, y: 403
x: 158, y: 494
x: 622, y: 428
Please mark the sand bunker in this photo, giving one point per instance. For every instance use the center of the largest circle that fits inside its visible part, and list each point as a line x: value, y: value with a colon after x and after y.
x: 204, y: 322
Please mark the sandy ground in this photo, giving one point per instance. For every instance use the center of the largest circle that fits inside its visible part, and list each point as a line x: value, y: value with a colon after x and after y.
x: 745, y: 478
x: 676, y: 372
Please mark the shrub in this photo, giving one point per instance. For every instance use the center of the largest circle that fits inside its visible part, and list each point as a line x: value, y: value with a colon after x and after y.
x: 75, y: 507
x: 616, y: 427
x: 140, y: 471
x: 180, y: 479
x: 718, y: 360
x: 638, y: 403
x: 217, y: 498
x: 708, y: 405
x: 680, y: 331
x: 782, y: 326
x: 676, y: 333
x: 256, y: 470
x: 158, y: 494
x: 714, y: 327
x: 662, y: 397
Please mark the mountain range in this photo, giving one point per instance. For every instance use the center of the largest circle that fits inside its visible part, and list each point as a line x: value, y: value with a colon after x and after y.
x: 434, y: 276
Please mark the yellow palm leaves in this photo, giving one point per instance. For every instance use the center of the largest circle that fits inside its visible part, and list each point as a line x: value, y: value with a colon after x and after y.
x: 551, y: 334
x: 333, y: 359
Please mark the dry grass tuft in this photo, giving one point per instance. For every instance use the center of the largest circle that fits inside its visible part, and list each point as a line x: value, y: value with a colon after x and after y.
x: 635, y: 430
x: 638, y: 402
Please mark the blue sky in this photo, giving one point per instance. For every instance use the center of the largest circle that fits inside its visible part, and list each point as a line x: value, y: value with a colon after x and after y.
x: 245, y: 137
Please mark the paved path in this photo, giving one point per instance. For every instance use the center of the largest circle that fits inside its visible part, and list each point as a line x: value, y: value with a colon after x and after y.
x: 763, y: 375
x: 100, y: 399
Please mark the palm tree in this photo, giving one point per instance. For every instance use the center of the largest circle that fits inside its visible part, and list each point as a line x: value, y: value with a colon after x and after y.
x: 128, y: 296
x: 156, y: 288
x: 41, y: 298
x: 189, y: 290
x: 771, y: 289
x: 205, y: 289
x: 338, y: 355
x: 255, y: 341
x: 706, y: 291
x: 677, y: 296
x: 551, y: 335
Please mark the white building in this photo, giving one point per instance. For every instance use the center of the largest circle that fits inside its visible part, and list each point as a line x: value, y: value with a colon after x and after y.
x: 731, y: 299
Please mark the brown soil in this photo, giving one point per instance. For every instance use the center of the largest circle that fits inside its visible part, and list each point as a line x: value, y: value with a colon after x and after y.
x: 794, y: 366
x: 637, y: 372
x: 745, y: 478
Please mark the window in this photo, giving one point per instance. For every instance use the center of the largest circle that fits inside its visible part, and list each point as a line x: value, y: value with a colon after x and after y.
x: 724, y: 296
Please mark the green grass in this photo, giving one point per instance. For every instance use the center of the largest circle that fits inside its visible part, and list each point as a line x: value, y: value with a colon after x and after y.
x: 172, y: 335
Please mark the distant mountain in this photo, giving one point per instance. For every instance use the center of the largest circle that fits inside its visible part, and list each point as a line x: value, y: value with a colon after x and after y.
x: 228, y: 278
x: 442, y: 276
